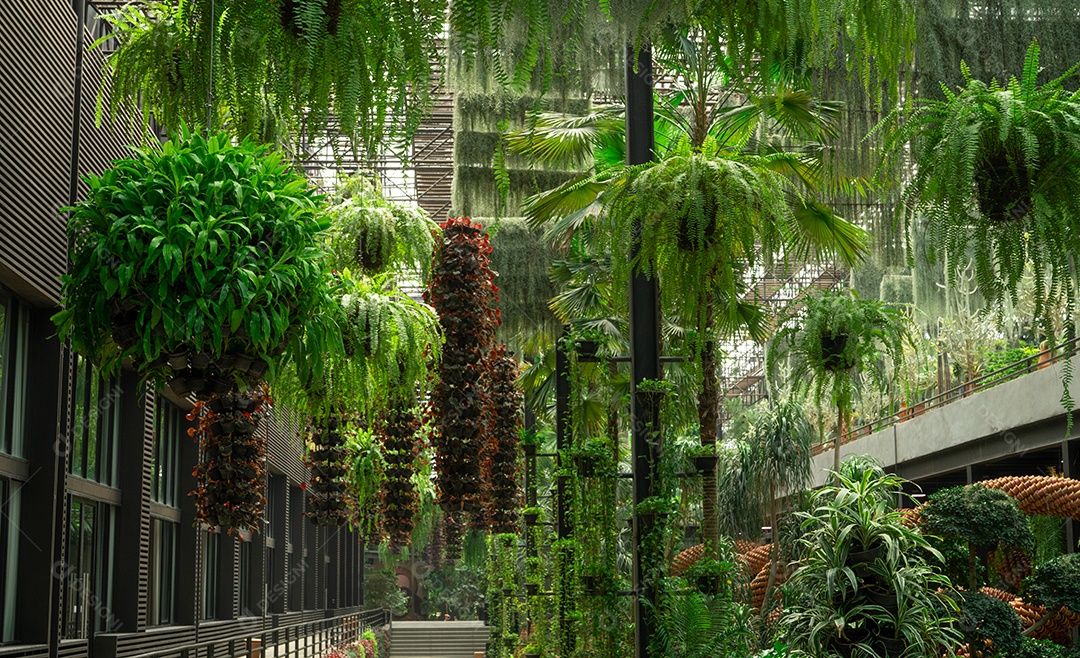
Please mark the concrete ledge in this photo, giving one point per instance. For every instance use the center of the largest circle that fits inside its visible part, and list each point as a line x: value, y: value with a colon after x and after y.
x: 1011, y: 418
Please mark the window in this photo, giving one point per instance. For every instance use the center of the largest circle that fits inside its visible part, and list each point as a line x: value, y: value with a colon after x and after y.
x: 169, y: 426
x: 88, y: 569
x: 13, y: 337
x: 96, y: 425
x: 245, y: 583
x: 162, y: 586
x: 211, y: 560
x: 9, y: 555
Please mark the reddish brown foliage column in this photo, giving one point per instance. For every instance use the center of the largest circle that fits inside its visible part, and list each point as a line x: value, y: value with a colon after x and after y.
x: 463, y: 293
x: 501, y: 452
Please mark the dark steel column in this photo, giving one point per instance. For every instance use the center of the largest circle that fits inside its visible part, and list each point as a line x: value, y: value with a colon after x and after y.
x: 563, y: 441
x: 644, y: 345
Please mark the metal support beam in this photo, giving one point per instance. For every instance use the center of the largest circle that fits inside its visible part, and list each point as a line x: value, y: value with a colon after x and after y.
x: 644, y: 347
x: 563, y: 441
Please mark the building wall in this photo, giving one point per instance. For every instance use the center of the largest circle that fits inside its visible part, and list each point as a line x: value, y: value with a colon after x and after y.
x: 99, y: 552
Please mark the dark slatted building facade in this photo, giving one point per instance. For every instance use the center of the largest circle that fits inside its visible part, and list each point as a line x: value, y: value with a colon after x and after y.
x: 99, y: 552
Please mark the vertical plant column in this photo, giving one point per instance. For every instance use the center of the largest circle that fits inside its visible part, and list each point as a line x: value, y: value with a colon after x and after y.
x: 501, y: 593
x: 329, y: 504
x: 399, y: 499
x: 462, y: 292
x: 233, y: 467
x: 501, y: 450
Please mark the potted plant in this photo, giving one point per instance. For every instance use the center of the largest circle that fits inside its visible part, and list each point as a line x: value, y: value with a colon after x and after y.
x: 704, y: 458
x: 997, y: 179
x: 827, y: 605
x: 531, y: 651
x: 532, y: 515
x: 592, y: 458
x: 840, y: 344
x: 208, y: 297
x: 463, y: 293
x: 530, y: 444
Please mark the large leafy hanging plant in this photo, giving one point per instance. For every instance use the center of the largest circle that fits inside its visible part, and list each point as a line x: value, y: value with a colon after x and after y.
x: 372, y: 234
x: 997, y: 180
x: 281, y: 69
x: 463, y: 293
x: 200, y: 263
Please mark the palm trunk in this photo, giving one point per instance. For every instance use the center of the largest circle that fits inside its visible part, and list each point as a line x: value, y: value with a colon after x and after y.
x: 708, y: 415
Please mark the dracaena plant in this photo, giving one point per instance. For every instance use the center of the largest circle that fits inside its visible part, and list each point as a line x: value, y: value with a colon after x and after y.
x: 997, y: 179
x: 203, y: 257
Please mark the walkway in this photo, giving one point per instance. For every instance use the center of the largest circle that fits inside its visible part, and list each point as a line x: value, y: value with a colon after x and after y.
x: 437, y: 639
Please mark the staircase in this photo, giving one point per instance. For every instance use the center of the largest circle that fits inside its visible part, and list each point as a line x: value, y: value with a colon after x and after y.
x: 437, y: 639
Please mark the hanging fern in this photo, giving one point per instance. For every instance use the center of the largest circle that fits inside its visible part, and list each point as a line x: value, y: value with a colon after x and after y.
x: 282, y: 69
x: 998, y: 180
x: 372, y: 234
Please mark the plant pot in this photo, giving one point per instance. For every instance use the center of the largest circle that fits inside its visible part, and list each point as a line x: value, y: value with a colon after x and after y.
x: 866, y: 555
x: 258, y: 368
x: 125, y: 335
x: 531, y: 519
x: 178, y: 361
x: 590, y: 584
x: 705, y: 464
x: 532, y: 589
x: 508, y: 592
x: 890, y: 646
x: 586, y: 351
x: 708, y: 583
x: 1003, y: 191
x: 882, y: 597
x: 529, y: 448
x: 532, y: 655
x: 218, y: 386
x: 509, y: 642
x: 199, y: 361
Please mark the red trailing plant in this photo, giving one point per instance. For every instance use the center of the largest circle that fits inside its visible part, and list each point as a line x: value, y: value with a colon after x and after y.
x: 399, y: 499
x: 463, y: 293
x: 232, y: 472
x: 501, y: 450
x: 329, y: 502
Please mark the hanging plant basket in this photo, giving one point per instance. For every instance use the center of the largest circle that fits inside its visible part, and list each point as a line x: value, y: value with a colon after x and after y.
x: 586, y: 465
x: 531, y: 518
x: 532, y: 589
x: 529, y: 449
x: 587, y: 350
x: 1003, y: 188
x: 590, y: 584
x: 180, y: 296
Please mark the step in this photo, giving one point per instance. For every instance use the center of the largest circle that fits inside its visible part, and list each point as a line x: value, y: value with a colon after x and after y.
x: 437, y: 639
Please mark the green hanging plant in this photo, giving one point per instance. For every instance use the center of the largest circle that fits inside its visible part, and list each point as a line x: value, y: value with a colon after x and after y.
x: 201, y: 263
x: 372, y: 234
x: 836, y: 345
x: 283, y: 70
x: 998, y: 180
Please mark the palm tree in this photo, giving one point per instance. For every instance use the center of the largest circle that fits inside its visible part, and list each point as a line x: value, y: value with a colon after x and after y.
x: 729, y: 192
x: 834, y: 344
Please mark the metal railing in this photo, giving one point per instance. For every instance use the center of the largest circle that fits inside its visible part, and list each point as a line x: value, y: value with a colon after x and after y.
x: 985, y: 381
x: 309, y: 639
